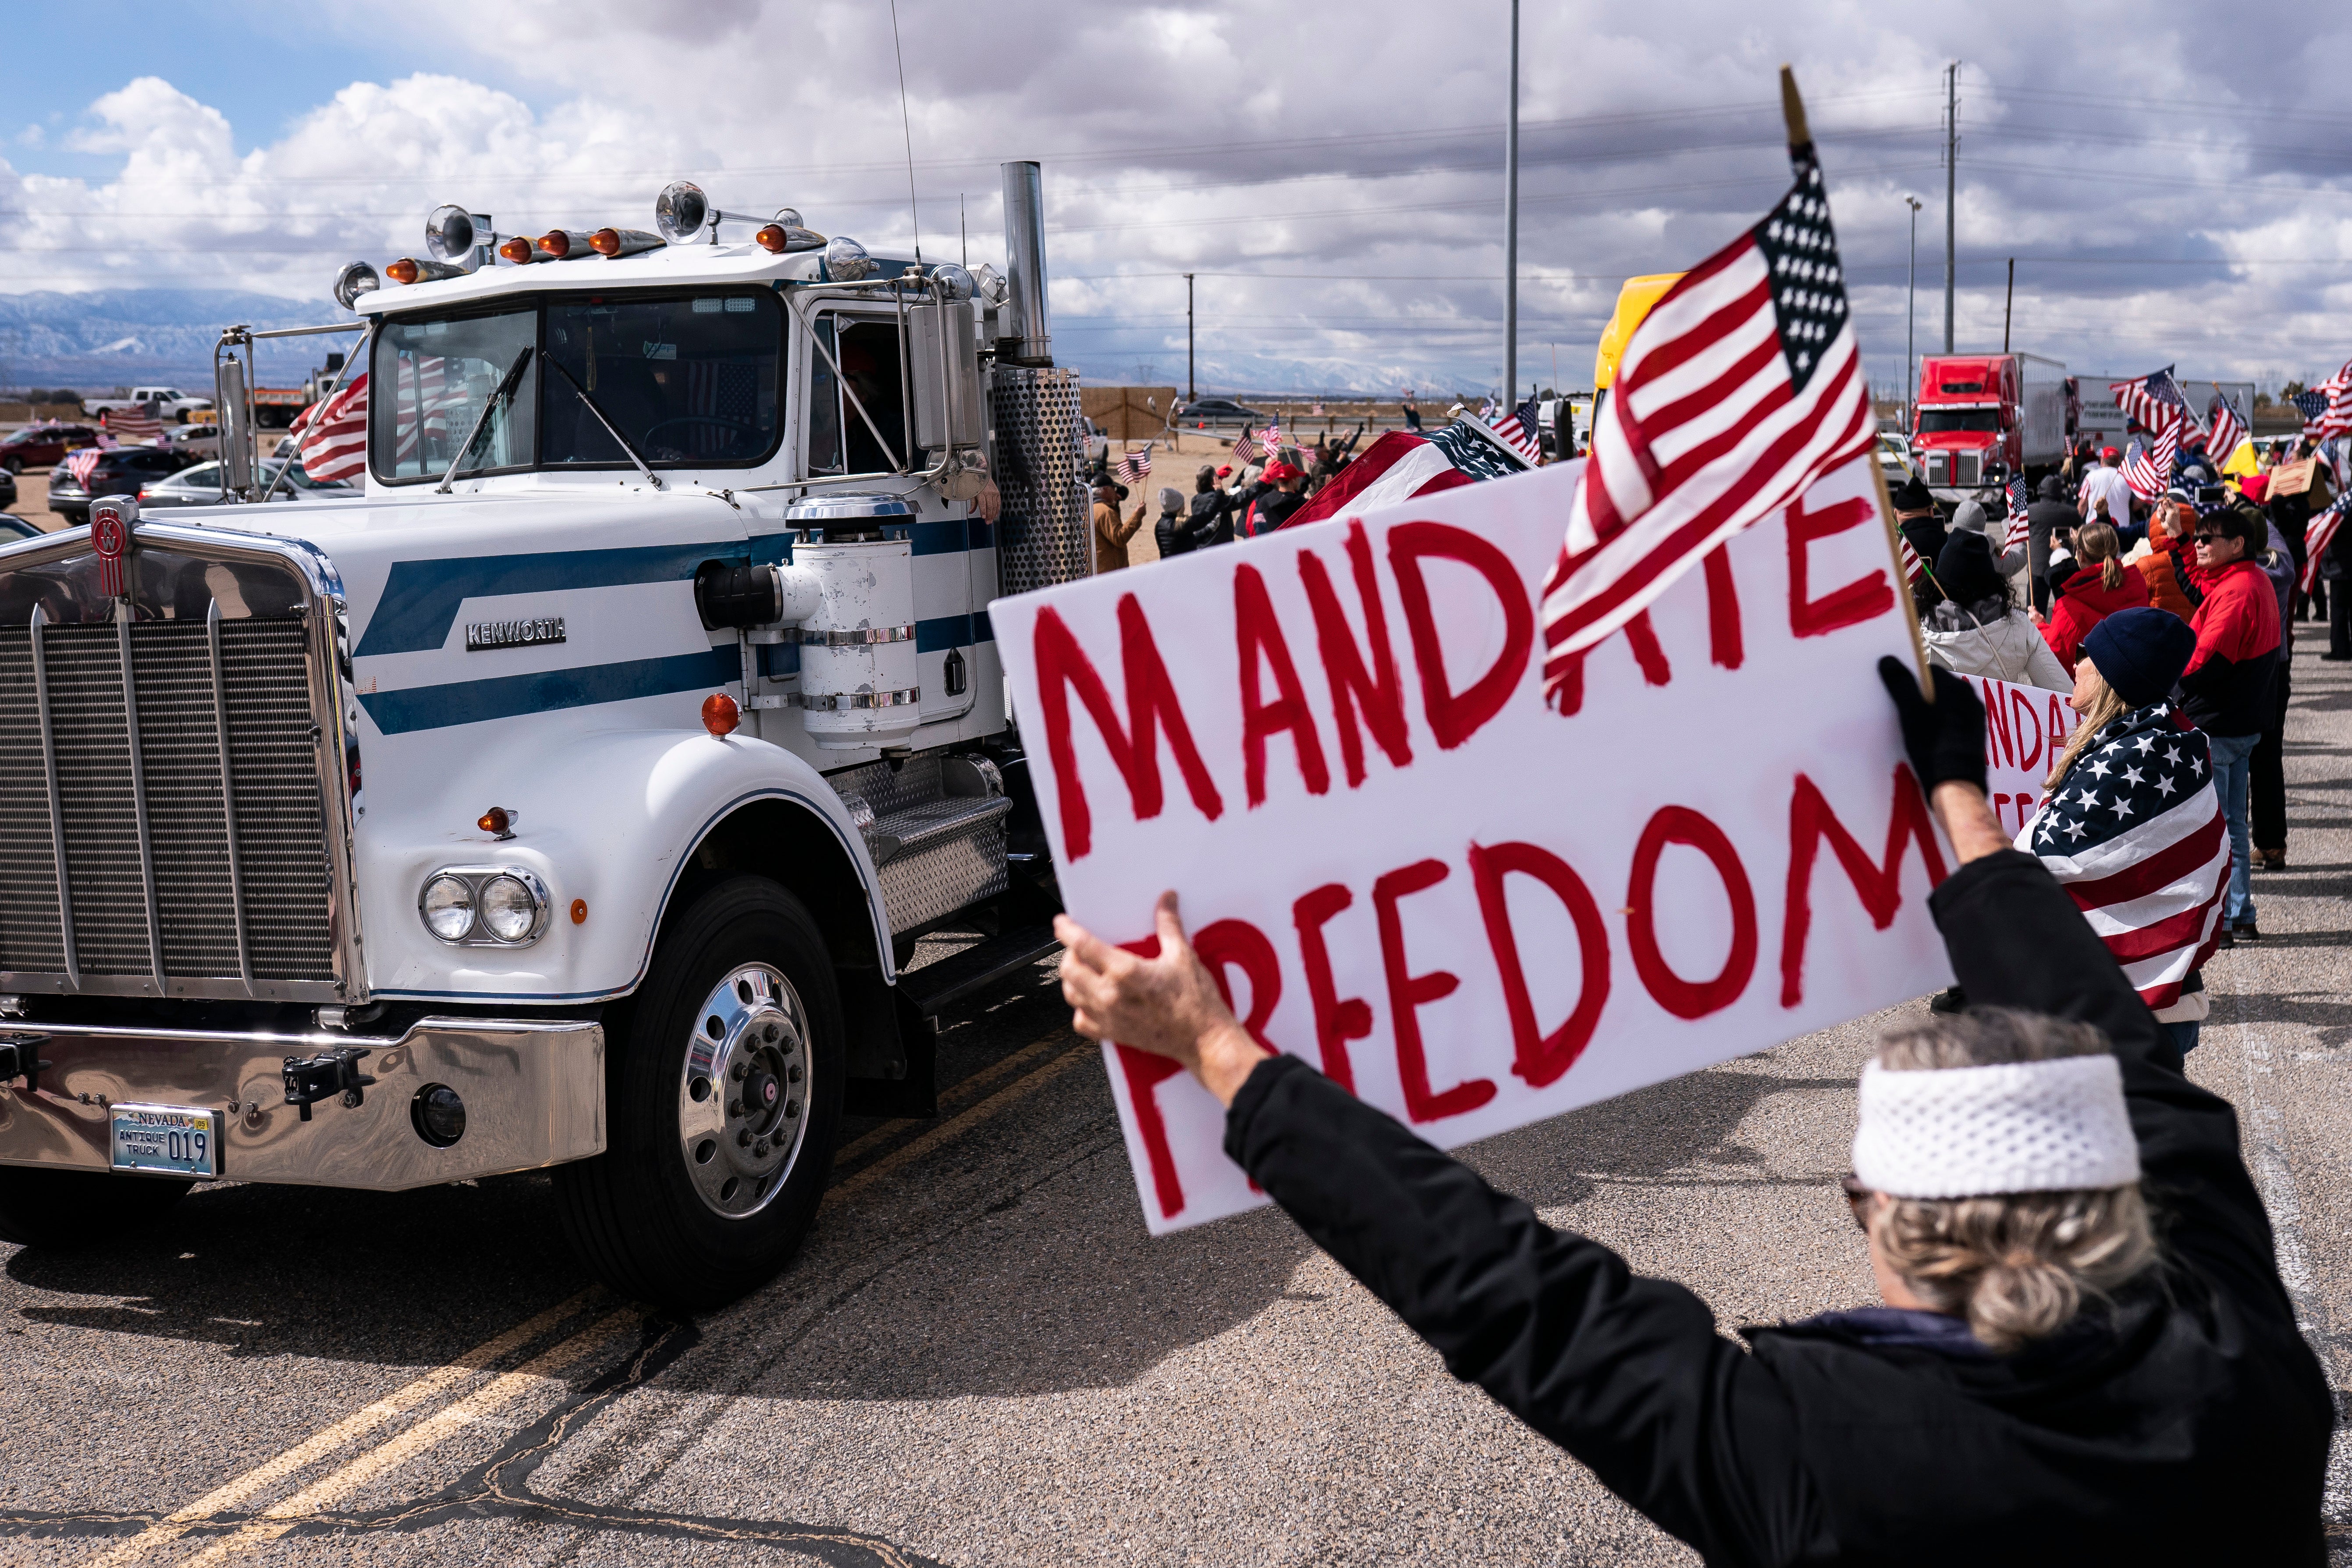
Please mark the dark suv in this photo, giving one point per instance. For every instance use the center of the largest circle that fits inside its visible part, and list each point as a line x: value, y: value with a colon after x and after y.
x: 119, y: 472
x: 38, y: 446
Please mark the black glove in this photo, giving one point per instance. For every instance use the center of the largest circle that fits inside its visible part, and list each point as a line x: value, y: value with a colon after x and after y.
x: 1946, y: 738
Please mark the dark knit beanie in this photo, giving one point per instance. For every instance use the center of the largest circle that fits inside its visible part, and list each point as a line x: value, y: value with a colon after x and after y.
x: 1965, y: 570
x: 2141, y: 652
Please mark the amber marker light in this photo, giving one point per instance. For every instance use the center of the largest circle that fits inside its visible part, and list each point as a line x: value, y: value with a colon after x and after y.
x: 720, y: 714
x: 556, y: 243
x: 495, y: 820
x: 580, y: 911
x: 403, y: 270
x: 772, y: 238
x: 517, y: 250
x: 608, y: 242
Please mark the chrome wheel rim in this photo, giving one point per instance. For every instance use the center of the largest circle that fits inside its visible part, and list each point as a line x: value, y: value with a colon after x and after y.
x: 744, y: 1096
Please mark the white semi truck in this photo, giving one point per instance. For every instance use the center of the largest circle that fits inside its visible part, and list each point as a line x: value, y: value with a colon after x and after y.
x: 574, y: 800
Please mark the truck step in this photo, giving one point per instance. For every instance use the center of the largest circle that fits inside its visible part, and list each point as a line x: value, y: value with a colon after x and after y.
x: 935, y: 986
x: 917, y: 828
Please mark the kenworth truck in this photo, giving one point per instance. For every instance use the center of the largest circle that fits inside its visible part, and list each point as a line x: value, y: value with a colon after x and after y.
x: 575, y: 799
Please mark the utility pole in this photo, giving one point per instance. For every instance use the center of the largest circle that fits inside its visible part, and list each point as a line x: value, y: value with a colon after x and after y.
x: 1511, y: 229
x: 1191, y: 388
x: 1911, y: 315
x: 2007, y: 302
x: 1951, y: 186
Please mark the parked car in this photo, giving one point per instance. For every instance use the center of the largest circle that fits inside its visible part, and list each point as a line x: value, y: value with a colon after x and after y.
x: 194, y: 443
x: 13, y: 529
x: 201, y: 486
x: 1215, y: 411
x: 120, y: 471
x: 38, y: 446
x: 1894, y: 457
x: 8, y: 488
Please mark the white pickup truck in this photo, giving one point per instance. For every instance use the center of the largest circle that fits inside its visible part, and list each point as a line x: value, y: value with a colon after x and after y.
x: 172, y: 402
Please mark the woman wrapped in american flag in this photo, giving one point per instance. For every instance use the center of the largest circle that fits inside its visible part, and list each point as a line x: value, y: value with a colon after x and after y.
x: 2131, y: 827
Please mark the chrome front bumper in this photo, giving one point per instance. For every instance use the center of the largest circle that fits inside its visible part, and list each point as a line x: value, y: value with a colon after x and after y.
x: 534, y: 1096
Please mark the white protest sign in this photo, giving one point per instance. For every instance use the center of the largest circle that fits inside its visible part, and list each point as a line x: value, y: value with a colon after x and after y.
x: 1473, y: 909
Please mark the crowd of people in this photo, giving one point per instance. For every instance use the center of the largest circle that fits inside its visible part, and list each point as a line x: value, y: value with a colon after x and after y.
x: 1229, y: 501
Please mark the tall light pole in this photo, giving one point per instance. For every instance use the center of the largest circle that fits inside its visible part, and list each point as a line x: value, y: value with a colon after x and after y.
x: 1192, y: 389
x: 1511, y: 229
x: 1951, y: 186
x: 1911, y: 315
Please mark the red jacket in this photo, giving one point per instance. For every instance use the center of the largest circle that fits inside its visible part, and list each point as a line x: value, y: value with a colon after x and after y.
x: 2229, y: 676
x: 2081, y: 602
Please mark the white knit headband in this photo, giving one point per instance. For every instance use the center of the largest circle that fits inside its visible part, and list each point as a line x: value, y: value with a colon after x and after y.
x: 2020, y: 1127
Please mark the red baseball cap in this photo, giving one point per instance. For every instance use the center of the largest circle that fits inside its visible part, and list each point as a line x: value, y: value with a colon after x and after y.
x: 2109, y: 452
x: 1224, y: 469
x: 2255, y: 487
x: 1278, y: 470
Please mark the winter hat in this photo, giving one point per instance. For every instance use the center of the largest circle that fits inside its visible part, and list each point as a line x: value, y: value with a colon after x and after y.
x: 2255, y: 487
x: 2052, y: 488
x: 1912, y: 496
x: 1172, y: 500
x: 2050, y: 1126
x: 1964, y: 569
x: 1970, y: 517
x: 2141, y: 652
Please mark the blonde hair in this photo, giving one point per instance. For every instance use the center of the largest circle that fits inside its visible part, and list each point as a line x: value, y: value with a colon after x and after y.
x: 2105, y: 708
x: 2097, y: 541
x: 2019, y: 1266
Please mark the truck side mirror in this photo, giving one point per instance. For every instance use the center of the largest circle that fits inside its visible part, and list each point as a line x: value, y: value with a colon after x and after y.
x: 942, y: 356
x: 2008, y: 418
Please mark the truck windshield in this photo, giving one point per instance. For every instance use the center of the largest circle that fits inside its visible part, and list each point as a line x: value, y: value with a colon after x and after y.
x: 1932, y: 420
x: 430, y: 383
x: 689, y: 378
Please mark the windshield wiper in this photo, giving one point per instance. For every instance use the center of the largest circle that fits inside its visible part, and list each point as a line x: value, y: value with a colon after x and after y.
x: 505, y: 390
x: 618, y: 439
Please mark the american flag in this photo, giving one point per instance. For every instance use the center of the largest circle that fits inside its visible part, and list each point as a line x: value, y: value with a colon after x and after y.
x: 1741, y: 387
x: 2020, y: 498
x: 140, y: 422
x: 2136, y: 836
x: 1517, y: 430
x: 2154, y: 400
x: 1248, y: 449
x: 2313, y: 405
x: 332, y: 434
x: 723, y: 396
x: 1402, y: 465
x: 1912, y: 567
x: 2230, y: 428
x: 80, y: 464
x: 1133, y: 466
x: 2149, y: 470
x: 2318, y: 534
x: 2335, y: 417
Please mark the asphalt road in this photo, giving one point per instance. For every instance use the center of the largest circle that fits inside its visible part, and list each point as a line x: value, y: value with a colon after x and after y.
x: 980, y: 1358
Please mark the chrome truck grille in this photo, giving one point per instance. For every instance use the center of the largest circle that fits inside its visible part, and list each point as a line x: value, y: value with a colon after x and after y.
x: 164, y: 825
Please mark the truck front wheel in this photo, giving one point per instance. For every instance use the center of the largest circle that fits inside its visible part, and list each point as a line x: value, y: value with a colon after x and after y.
x: 723, y: 1080
x: 72, y: 1209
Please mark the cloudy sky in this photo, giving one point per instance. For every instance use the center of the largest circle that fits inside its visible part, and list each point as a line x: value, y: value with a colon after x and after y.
x: 2172, y: 180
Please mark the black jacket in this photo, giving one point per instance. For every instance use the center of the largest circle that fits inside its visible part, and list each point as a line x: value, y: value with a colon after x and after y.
x: 1211, y: 518
x: 2189, y: 1425
x: 1174, y: 534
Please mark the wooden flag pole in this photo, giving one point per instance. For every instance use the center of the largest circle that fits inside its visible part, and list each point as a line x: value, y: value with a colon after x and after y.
x: 1800, y: 145
x: 1901, y: 578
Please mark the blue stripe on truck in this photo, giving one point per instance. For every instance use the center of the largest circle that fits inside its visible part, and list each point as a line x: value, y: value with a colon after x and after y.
x: 511, y: 696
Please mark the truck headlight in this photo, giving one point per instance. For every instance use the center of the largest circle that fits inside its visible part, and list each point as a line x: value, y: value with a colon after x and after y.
x: 447, y: 904
x: 510, y: 911
x: 483, y: 906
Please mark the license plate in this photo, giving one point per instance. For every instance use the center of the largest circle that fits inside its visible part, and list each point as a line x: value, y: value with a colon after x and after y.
x: 171, y: 1140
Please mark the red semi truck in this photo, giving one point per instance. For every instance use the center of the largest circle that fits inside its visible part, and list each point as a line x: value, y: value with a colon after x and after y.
x: 1982, y: 417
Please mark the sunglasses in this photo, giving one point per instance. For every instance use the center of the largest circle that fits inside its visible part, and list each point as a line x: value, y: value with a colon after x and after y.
x: 2211, y: 537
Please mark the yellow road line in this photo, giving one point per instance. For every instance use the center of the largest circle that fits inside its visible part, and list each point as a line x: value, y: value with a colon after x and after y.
x: 335, y: 1488
x: 325, y: 1493
x: 325, y: 1441
x: 1019, y: 1089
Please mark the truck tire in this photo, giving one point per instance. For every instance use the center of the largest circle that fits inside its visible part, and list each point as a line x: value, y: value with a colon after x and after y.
x: 723, y: 1081
x: 65, y: 1210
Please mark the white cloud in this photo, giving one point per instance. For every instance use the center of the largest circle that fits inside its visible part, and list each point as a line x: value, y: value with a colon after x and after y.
x: 1331, y: 175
